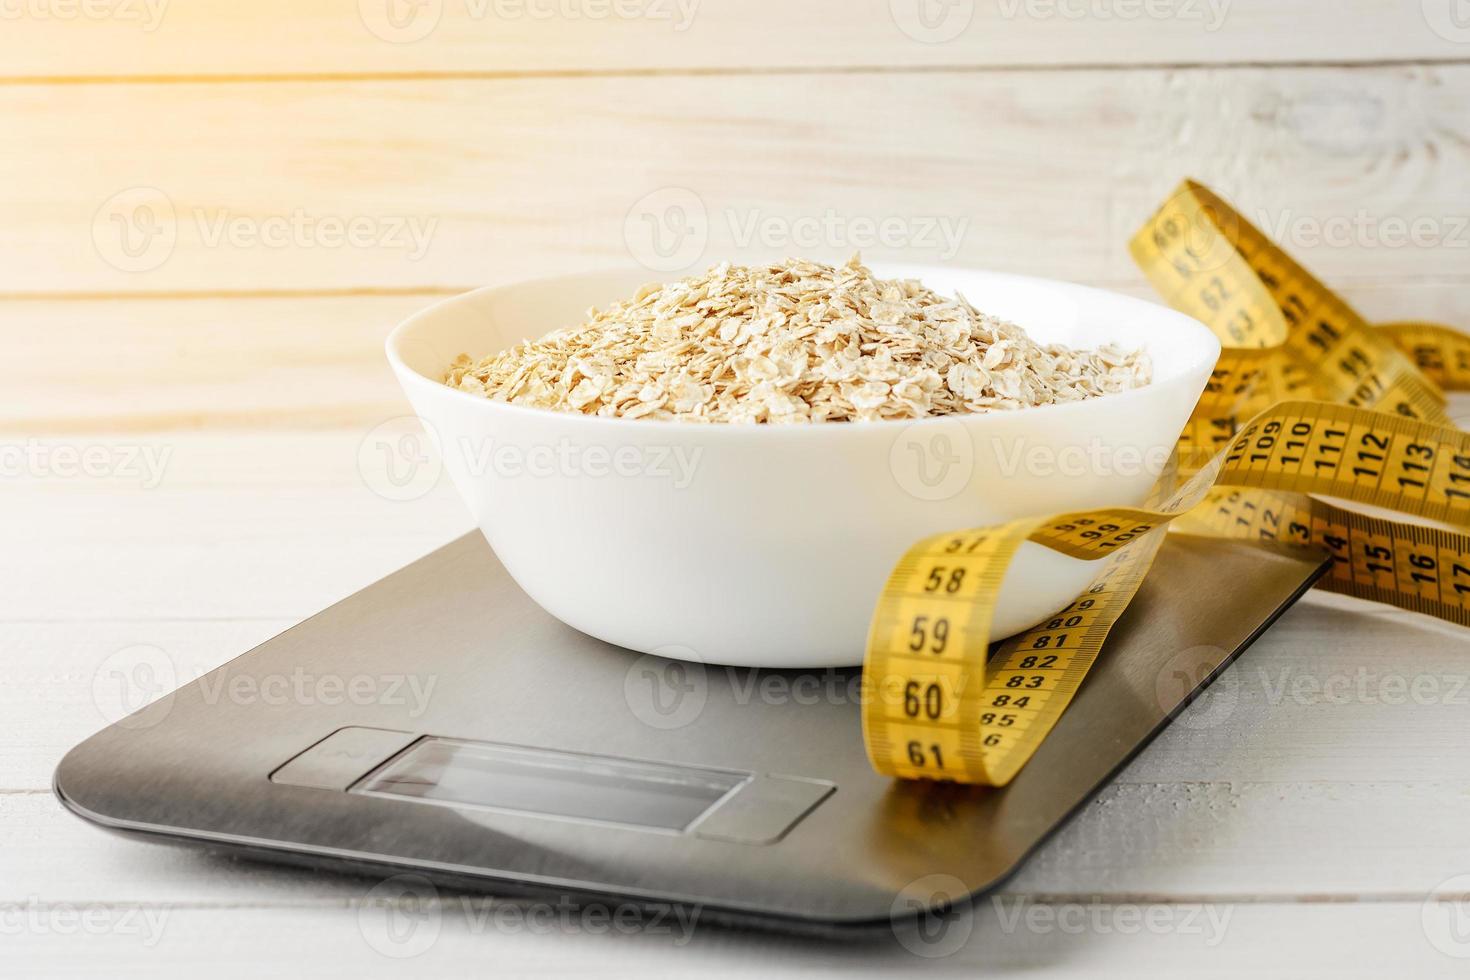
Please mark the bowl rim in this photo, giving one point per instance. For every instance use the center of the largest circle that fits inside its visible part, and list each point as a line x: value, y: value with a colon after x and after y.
x: 1209, y: 354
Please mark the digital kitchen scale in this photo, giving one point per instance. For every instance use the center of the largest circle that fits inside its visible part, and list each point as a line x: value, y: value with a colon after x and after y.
x: 545, y: 761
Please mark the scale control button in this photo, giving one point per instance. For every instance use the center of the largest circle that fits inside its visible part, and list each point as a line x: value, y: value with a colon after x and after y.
x: 764, y: 810
x: 342, y: 758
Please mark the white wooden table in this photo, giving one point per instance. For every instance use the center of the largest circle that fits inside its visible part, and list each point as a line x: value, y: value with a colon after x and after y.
x: 191, y: 363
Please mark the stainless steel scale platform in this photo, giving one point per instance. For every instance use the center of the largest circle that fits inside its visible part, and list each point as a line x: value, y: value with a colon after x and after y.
x: 548, y: 762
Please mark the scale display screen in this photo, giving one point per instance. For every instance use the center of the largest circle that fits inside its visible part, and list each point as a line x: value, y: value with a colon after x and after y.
x: 456, y: 772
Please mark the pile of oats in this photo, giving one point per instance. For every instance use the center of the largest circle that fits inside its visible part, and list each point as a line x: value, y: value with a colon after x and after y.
x: 793, y: 342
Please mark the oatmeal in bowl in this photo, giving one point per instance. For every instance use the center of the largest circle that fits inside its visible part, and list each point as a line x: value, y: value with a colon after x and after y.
x: 794, y: 342
x: 726, y: 468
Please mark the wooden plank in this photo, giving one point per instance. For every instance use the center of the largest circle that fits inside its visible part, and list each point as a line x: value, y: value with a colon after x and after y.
x: 262, y: 550
x: 221, y: 363
x: 454, y: 937
x: 69, y: 680
x: 130, y: 38
x: 292, y: 186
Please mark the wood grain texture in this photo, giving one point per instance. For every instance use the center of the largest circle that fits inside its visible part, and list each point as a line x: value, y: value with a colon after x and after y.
x: 251, y: 364
x: 228, y: 392
x: 261, y: 549
x: 204, y: 38
x: 351, y: 939
x: 234, y: 363
x: 442, y: 185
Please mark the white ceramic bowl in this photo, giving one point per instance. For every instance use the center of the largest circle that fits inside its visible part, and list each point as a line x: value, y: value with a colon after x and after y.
x: 768, y: 545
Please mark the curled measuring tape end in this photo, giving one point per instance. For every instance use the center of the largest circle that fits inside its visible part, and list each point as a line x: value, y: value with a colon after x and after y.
x: 1330, y: 406
x: 1213, y: 264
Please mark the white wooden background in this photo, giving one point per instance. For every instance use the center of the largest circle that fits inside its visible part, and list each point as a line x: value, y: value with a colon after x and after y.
x: 1314, y: 826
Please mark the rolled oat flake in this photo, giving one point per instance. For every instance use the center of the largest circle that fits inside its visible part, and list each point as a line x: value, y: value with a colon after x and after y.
x: 796, y: 341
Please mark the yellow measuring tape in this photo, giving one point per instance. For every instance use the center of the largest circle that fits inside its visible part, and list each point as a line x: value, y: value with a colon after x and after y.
x: 1307, y: 398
